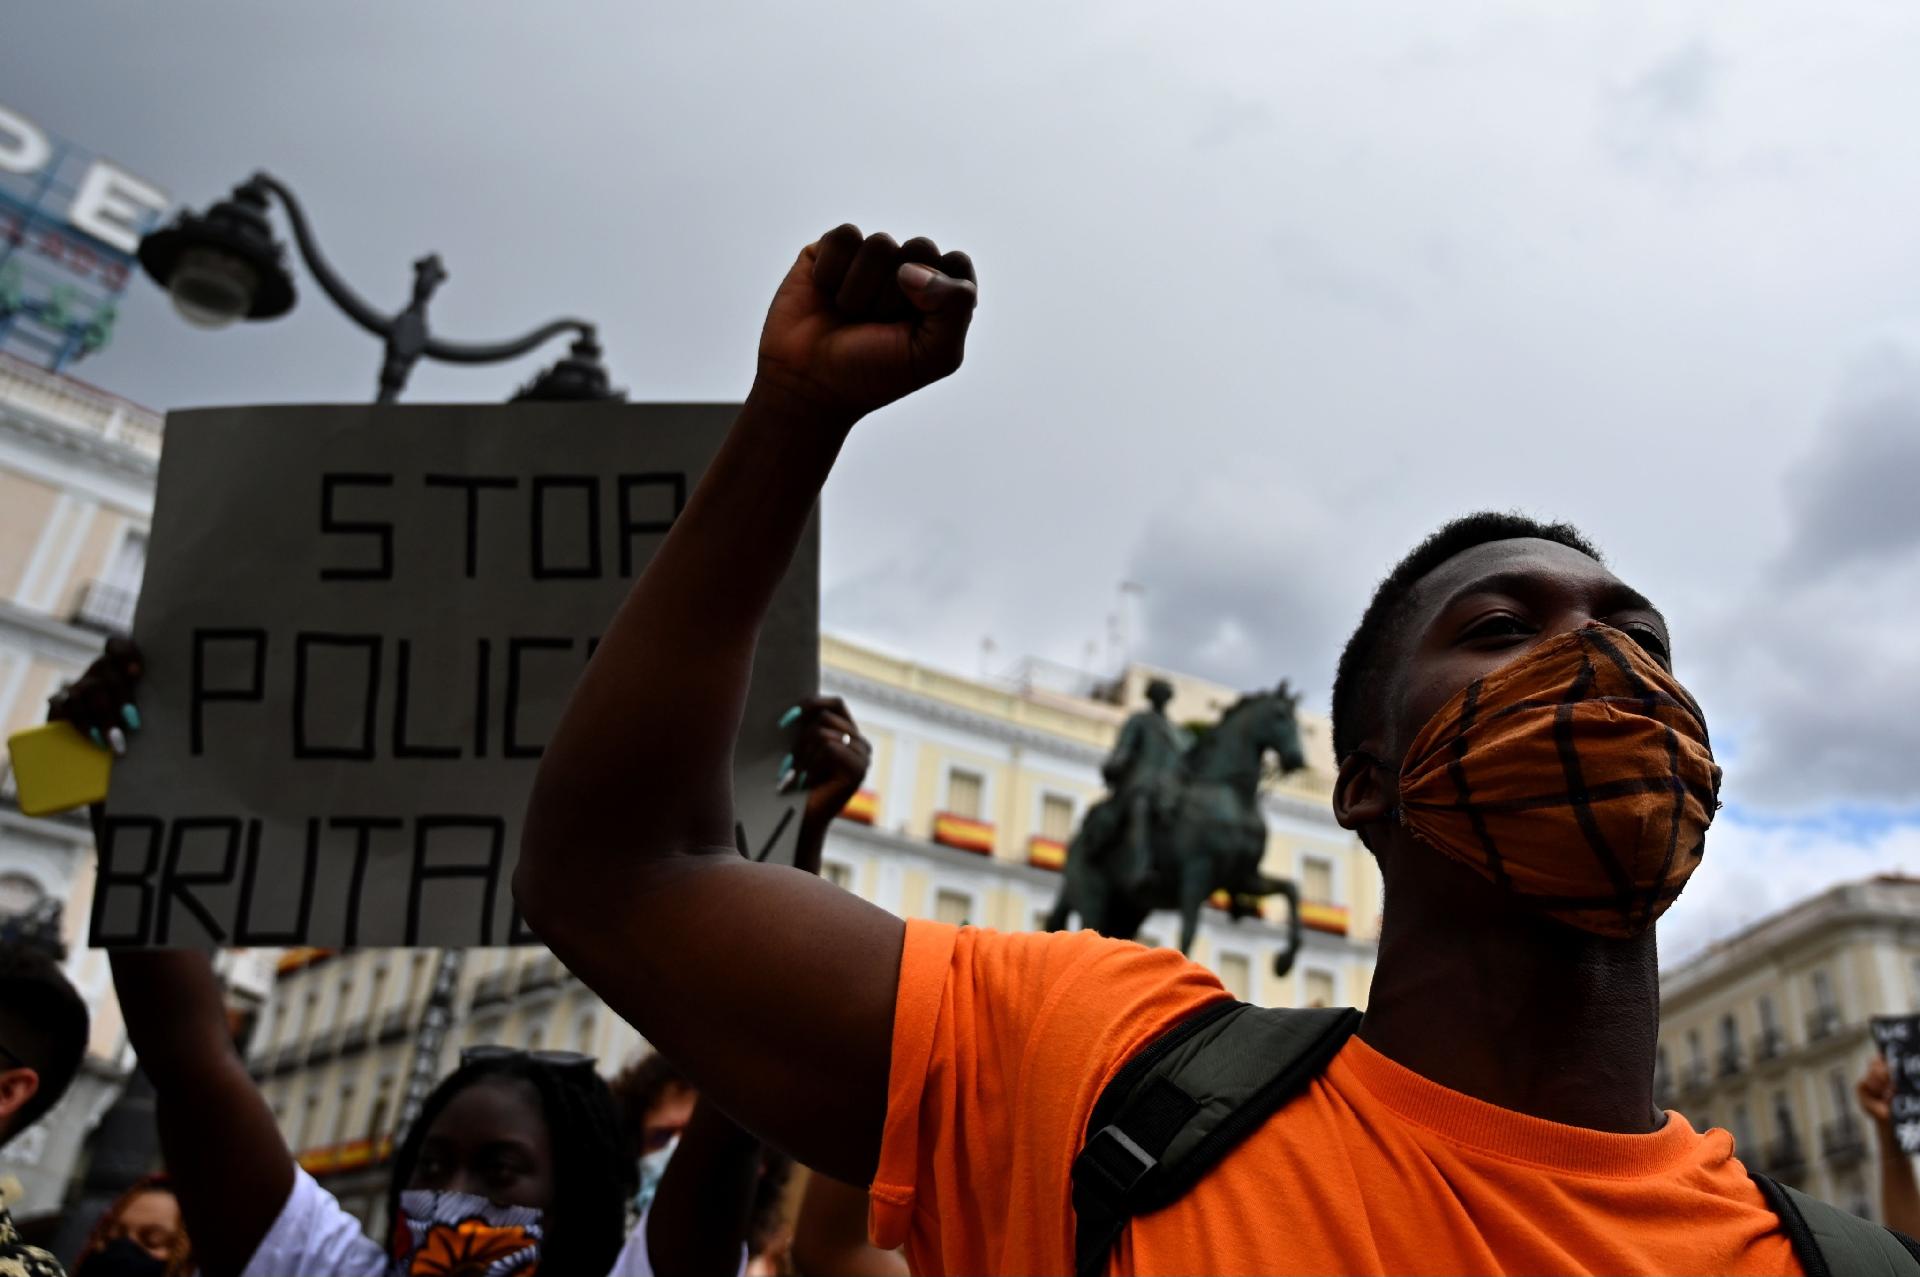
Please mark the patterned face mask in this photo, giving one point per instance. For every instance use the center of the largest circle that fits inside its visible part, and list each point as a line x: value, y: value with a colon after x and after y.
x: 462, y: 1235
x: 1578, y: 777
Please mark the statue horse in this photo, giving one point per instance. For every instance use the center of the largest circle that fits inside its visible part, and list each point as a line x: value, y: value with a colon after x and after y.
x: 1207, y: 833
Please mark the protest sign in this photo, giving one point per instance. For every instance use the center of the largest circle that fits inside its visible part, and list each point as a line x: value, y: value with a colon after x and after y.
x: 360, y: 626
x: 1898, y: 1037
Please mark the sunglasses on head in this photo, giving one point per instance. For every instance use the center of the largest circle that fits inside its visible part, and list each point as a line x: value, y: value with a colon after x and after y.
x: 552, y: 1059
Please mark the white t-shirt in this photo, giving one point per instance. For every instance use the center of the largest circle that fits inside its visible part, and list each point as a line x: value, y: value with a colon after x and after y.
x: 313, y: 1237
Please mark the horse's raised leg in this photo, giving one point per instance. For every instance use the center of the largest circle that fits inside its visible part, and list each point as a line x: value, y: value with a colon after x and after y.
x: 1196, y: 885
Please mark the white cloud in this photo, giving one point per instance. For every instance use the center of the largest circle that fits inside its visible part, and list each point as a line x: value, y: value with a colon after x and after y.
x: 1753, y: 869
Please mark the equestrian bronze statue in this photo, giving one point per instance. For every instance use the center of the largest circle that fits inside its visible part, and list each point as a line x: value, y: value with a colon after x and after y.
x: 1182, y: 821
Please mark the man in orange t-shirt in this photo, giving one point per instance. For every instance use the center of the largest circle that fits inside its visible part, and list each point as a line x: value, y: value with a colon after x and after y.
x: 1513, y: 749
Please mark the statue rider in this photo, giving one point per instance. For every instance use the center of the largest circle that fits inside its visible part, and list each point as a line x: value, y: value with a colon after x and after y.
x: 1142, y: 772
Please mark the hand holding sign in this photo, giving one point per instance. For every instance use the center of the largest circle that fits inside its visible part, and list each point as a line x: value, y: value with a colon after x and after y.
x: 862, y: 321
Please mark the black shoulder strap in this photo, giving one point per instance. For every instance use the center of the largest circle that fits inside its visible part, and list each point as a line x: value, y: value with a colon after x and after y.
x: 1183, y: 1103
x: 1829, y: 1242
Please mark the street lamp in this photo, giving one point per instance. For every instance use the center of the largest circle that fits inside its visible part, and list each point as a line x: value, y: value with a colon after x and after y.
x: 226, y: 266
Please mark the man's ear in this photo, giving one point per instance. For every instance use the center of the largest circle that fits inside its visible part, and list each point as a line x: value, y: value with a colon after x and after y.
x: 17, y: 1087
x: 1363, y: 791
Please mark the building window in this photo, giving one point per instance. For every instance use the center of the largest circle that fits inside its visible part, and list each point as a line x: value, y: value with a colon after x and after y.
x: 1319, y: 988
x: 343, y: 1116
x: 1236, y: 973
x: 965, y: 792
x: 583, y: 1033
x: 1316, y: 880
x: 537, y: 1035
x: 838, y: 874
x: 1056, y: 818
x: 1729, y: 1045
x: 953, y: 907
x: 1696, y: 1057
x: 309, y: 1123
x: 1825, y: 1016
x: 1743, y: 1144
x: 1842, y: 1101
x: 1783, y: 1118
x: 382, y: 1107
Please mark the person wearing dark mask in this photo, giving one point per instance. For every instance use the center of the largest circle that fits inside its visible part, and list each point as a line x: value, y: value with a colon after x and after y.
x: 141, y: 1235
x: 1513, y: 747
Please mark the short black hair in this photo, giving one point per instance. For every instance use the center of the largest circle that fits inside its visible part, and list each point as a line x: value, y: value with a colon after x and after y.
x: 594, y: 1180
x: 43, y: 1024
x: 1361, y: 680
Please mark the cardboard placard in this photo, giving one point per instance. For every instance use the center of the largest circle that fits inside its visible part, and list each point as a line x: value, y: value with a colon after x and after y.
x: 360, y: 626
x: 1898, y: 1037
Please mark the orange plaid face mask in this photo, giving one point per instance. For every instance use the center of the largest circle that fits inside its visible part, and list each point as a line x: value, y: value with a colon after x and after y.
x: 1578, y: 777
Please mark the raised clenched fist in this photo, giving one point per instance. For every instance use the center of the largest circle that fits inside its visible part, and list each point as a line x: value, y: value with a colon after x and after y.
x: 861, y: 321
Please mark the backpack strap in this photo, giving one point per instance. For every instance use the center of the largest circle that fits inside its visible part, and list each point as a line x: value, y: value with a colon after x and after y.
x: 1829, y: 1242
x: 1183, y: 1102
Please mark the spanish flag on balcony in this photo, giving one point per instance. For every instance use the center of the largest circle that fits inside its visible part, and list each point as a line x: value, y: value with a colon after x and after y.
x: 320, y: 1161
x: 960, y: 832
x: 1046, y: 853
x: 862, y: 809
x: 353, y: 1155
x: 1324, y: 917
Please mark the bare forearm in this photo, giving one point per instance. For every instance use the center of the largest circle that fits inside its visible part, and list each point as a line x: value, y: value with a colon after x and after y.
x: 702, y: 1213
x: 221, y: 1145
x: 1899, y: 1193
x: 830, y: 1236
x: 651, y: 726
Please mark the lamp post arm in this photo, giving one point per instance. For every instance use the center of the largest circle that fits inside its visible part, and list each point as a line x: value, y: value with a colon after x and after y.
x: 343, y: 295
x: 466, y: 352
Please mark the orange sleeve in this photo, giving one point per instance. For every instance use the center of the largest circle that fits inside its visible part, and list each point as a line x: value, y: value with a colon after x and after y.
x: 1001, y: 1045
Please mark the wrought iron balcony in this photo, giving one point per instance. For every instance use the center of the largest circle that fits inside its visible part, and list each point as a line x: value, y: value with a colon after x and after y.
x: 105, y: 608
x: 396, y: 1023
x: 491, y: 988
x: 1822, y: 1022
x: 1843, y: 1141
x: 1769, y: 1044
x: 1730, y: 1061
x: 1693, y: 1077
x: 354, y: 1036
x: 1785, y: 1157
x: 543, y: 972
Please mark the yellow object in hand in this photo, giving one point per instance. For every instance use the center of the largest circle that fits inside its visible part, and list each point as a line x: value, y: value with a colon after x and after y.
x: 57, y: 769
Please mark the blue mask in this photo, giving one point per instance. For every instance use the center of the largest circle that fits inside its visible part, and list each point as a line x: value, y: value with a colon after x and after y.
x: 652, y: 1167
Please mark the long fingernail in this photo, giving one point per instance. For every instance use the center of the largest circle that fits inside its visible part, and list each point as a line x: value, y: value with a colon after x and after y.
x: 97, y: 738
x: 791, y: 717
x: 132, y: 716
x: 117, y: 739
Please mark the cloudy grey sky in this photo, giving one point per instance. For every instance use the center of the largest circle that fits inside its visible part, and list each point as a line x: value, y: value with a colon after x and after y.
x: 1269, y: 290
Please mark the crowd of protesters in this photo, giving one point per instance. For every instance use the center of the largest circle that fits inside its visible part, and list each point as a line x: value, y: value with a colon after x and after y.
x: 1492, y: 1111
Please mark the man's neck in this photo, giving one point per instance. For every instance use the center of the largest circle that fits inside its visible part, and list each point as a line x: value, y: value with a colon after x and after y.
x: 1518, y: 1012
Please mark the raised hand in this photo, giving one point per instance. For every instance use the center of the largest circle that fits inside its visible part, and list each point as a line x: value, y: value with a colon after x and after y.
x: 1874, y: 1091
x: 101, y: 701
x: 861, y: 321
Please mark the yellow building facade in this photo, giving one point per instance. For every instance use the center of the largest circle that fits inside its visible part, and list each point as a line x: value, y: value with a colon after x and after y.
x: 1765, y: 1034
